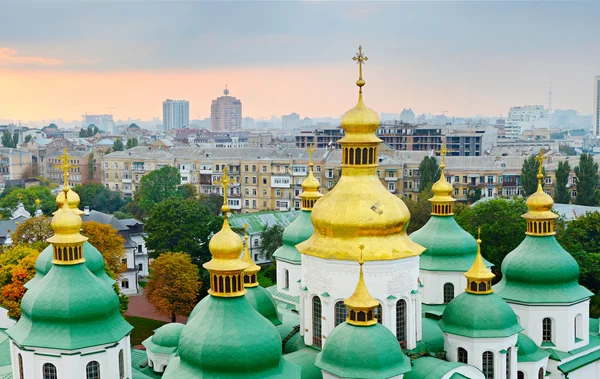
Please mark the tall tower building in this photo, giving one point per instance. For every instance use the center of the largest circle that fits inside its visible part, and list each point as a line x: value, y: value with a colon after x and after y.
x: 176, y: 114
x: 226, y: 113
x: 597, y: 106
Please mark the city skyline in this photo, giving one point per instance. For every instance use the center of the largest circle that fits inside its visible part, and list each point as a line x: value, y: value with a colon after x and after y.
x: 278, y: 58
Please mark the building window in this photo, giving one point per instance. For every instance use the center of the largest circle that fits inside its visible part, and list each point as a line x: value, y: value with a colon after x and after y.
x: 49, y: 371
x: 124, y: 283
x: 379, y: 314
x: 401, y: 322
x: 341, y: 313
x: 488, y: 365
x: 546, y: 330
x: 520, y: 375
x: 578, y: 327
x: 286, y: 279
x: 316, y: 324
x: 21, y: 375
x: 508, y: 363
x: 121, y: 365
x: 541, y: 373
x: 462, y: 356
x: 448, y: 292
x: 92, y: 370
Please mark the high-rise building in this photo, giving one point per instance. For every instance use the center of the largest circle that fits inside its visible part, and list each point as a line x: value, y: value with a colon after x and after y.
x: 104, y: 122
x: 290, y: 121
x: 176, y: 114
x: 597, y: 106
x: 226, y: 113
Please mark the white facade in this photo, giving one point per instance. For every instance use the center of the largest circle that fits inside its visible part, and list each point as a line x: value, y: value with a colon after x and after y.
x: 327, y: 375
x: 73, y: 364
x: 158, y: 362
x: 332, y: 281
x: 503, y: 352
x: 288, y: 278
x: 526, y: 118
x: 176, y: 114
x: 434, y: 282
x: 532, y: 369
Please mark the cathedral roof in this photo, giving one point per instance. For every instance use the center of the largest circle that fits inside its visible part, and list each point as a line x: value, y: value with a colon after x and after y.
x: 263, y: 302
x: 528, y: 351
x: 298, y: 231
x: 165, y: 339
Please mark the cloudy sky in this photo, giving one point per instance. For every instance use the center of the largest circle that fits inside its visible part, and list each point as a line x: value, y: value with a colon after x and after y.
x: 61, y: 59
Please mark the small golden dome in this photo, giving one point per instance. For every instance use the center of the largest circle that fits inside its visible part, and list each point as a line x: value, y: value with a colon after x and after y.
x: 479, y: 277
x: 311, y: 184
x: 360, y: 119
x: 66, y: 225
x: 38, y: 202
x: 540, y: 203
x: 252, y: 267
x: 226, y: 244
x: 74, y: 200
x: 442, y: 188
x: 361, y: 304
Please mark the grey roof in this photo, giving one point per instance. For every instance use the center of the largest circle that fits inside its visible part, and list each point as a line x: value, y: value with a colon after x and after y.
x: 104, y: 218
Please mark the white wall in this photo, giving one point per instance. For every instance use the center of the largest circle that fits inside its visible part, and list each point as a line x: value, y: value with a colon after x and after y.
x: 475, y: 348
x: 294, y: 272
x: 433, y: 285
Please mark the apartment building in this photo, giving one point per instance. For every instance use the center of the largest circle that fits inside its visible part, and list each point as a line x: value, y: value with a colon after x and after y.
x: 14, y: 165
x: 86, y: 167
x: 320, y: 137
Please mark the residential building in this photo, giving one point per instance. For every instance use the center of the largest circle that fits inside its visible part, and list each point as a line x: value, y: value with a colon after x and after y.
x: 176, y: 114
x: 226, y: 113
x: 14, y: 165
x: 85, y: 167
x: 407, y: 116
x: 526, y: 118
x: 321, y: 137
x: 259, y: 140
x: 596, y: 110
x: 290, y: 121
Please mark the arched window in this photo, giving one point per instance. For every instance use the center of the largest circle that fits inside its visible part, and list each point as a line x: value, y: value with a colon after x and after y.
x: 547, y: 330
x: 121, y: 365
x: 578, y: 327
x: 341, y: 312
x: 488, y: 365
x: 286, y: 279
x: 124, y: 283
x: 462, y: 356
x: 379, y: 314
x: 49, y: 371
x: 508, y: 363
x: 316, y: 324
x: 401, y: 322
x: 92, y: 370
x: 520, y: 375
x: 541, y: 373
x: 448, y: 292
x: 21, y: 375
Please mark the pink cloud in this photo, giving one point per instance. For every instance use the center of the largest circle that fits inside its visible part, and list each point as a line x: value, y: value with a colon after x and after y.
x: 10, y: 57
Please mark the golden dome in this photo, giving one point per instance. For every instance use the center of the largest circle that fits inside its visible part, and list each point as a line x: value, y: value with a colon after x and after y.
x: 361, y: 301
x: 360, y: 119
x: 253, y: 268
x: 38, y: 202
x: 66, y: 225
x: 479, y: 277
x: 540, y: 203
x: 310, y: 187
x: 442, y: 191
x: 225, y: 244
x: 311, y: 184
x: 73, y: 200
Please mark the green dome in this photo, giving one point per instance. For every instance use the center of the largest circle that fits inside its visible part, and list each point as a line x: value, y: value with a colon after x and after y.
x: 479, y: 316
x: 165, y: 339
x: 539, y: 270
x: 528, y: 351
x: 297, y: 231
x: 227, y: 338
x: 69, y: 309
x: 448, y: 246
x: 362, y: 352
x: 263, y: 302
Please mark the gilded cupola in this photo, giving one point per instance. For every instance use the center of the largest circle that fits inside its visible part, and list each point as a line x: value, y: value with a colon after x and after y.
x: 479, y: 277
x: 442, y: 201
x: 73, y: 198
x: 540, y: 218
x: 225, y: 246
x: 361, y: 305
x: 310, y: 186
x: 359, y: 209
x: 250, y: 273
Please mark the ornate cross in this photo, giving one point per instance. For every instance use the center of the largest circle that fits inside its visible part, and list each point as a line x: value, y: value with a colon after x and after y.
x: 443, y: 151
x: 540, y: 159
x: 360, y: 58
x: 224, y: 183
x: 65, y: 166
x: 310, y: 152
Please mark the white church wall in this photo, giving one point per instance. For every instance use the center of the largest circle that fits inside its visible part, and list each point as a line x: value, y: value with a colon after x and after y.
x: 434, y: 281
x: 158, y: 361
x: 5, y: 321
x: 294, y: 272
x: 467, y: 371
x: 532, y: 369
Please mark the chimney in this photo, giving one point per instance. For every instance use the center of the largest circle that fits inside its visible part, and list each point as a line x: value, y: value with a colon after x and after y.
x: 86, y: 210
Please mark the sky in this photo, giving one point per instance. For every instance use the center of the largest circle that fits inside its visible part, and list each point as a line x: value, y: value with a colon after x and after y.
x: 62, y: 59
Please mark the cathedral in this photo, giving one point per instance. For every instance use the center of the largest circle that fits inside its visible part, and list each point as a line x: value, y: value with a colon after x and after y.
x: 356, y: 296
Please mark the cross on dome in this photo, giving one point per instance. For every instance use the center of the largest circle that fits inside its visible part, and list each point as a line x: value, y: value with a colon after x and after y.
x: 360, y: 58
x: 224, y: 183
x: 443, y: 151
x: 540, y: 159
x: 65, y: 166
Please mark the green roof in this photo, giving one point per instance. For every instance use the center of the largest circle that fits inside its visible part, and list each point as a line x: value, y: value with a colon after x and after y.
x: 223, y: 340
x: 165, y: 339
x: 4, y: 349
x: 305, y: 358
x: 540, y: 271
x: 69, y: 309
x: 559, y: 355
x: 431, y: 368
x: 528, y: 350
x: 139, y: 357
x: 298, y: 231
x: 257, y: 221
x: 263, y: 302
x: 477, y: 316
x: 448, y: 246
x: 362, y: 352
x: 283, y: 298
x: 579, y: 362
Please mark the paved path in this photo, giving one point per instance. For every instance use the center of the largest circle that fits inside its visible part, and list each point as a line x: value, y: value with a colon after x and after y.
x: 140, y: 307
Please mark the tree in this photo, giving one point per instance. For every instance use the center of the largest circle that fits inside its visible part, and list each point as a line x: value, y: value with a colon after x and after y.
x: 566, y: 149
x: 173, y: 288
x: 157, y: 186
x: 420, y: 210
x: 33, y: 233
x: 98, y: 197
x: 118, y: 145
x: 10, y: 198
x: 15, y: 139
x: 562, y: 194
x: 90, y: 131
x: 7, y: 139
x: 28, y: 138
x: 502, y: 227
x: 213, y: 202
x: 181, y: 226
x: 17, y: 266
x: 587, y: 181
x: 188, y: 191
x: 474, y: 195
x: 271, y: 239
x: 428, y: 172
x: 109, y: 242
x: 529, y: 175
x: 132, y: 142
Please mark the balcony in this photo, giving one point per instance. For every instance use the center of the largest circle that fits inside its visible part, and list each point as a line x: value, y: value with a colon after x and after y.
x: 126, y: 179
x: 509, y: 184
x: 391, y: 179
x: 280, y: 182
x: 137, y: 168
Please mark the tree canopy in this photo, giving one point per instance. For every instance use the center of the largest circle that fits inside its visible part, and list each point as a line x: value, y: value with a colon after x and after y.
x: 428, y: 173
x: 118, y: 145
x: 90, y: 131
x: 529, y: 175
x: 271, y: 239
x: 33, y: 233
x: 562, y: 194
x: 132, y: 142
x: 587, y: 181
x: 10, y: 140
x: 9, y: 198
x: 17, y: 267
x: 109, y: 242
x: 157, y: 186
x: 173, y: 287
x: 98, y: 197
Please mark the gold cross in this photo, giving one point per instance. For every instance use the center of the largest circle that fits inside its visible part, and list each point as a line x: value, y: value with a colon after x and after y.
x: 443, y: 151
x: 540, y: 159
x: 360, y: 58
x: 65, y: 166
x: 479, y: 232
x: 224, y: 183
x: 310, y: 153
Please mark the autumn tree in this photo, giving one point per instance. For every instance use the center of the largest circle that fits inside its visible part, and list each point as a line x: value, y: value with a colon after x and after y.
x: 173, y: 288
x: 271, y: 239
x: 529, y: 175
x: 17, y: 266
x: 33, y: 232
x: 587, y: 181
x: 562, y: 194
x: 428, y: 173
x: 157, y: 186
x: 109, y: 242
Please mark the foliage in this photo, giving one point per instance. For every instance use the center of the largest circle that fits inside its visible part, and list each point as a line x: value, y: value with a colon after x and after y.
x: 566, y: 149
x: 562, y: 194
x: 10, y: 198
x: 90, y: 131
x: 132, y: 142
x: 587, y: 181
x: 118, y: 145
x: 428, y: 172
x: 474, y: 195
x: 529, y: 175
x: 187, y: 191
x: 17, y: 266
x: 27, y: 138
x: 213, y: 202
x: 10, y: 140
x: 142, y: 328
x: 122, y: 215
x: 109, y: 242
x: 33, y: 232
x: 267, y: 276
x: 157, y: 186
x: 502, y: 227
x: 98, y: 197
x: 90, y: 164
x: 173, y: 288
x: 271, y: 239
x: 182, y: 226
x: 420, y: 210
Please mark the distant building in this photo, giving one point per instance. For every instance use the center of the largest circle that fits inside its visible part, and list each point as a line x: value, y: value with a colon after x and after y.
x: 104, y: 122
x: 596, y: 106
x: 526, y: 118
x: 226, y: 113
x: 85, y: 167
x: 320, y: 137
x: 407, y: 116
x: 176, y: 114
x: 290, y: 121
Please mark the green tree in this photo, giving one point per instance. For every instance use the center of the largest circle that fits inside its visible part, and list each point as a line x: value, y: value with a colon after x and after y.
x: 15, y: 139
x: 587, y: 181
x: 271, y: 239
x: 474, y: 195
x: 562, y: 194
x: 28, y: 138
x: 529, y: 175
x: 10, y: 198
x: 213, y: 202
x: 98, y: 197
x: 177, y: 225
x: 157, y: 186
x: 502, y: 227
x: 566, y: 149
x: 428, y: 173
x: 118, y: 145
x: 7, y: 140
x: 132, y: 142
x: 187, y: 191
x: 420, y: 210
x: 33, y: 232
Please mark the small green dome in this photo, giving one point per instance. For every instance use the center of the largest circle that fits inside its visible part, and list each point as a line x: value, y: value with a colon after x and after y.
x: 69, y: 309
x: 263, y: 302
x: 539, y: 270
x: 296, y: 232
x: 448, y: 246
x: 43, y: 264
x: 227, y: 338
x: 479, y: 316
x: 165, y: 339
x: 362, y: 352
x: 528, y: 351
